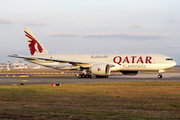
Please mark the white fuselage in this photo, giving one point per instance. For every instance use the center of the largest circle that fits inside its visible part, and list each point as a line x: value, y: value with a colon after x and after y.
x: 123, y: 62
x: 95, y: 64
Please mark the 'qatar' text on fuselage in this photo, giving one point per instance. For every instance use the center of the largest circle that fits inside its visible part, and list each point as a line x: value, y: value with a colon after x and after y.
x: 132, y: 59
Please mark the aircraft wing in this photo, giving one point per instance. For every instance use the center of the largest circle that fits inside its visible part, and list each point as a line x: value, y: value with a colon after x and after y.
x: 48, y: 59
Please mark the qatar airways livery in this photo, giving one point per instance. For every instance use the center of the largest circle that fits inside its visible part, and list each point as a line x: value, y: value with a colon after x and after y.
x: 99, y: 65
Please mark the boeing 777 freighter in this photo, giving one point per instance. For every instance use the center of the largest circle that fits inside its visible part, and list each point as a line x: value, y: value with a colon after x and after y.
x: 99, y: 65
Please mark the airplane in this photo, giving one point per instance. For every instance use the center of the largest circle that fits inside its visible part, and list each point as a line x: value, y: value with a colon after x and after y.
x: 99, y: 65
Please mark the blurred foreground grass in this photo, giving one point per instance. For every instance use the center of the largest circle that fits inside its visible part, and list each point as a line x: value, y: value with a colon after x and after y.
x: 110, y: 100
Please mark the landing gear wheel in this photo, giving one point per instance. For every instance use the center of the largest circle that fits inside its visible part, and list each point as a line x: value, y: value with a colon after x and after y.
x: 159, y: 76
x: 80, y: 76
x: 83, y: 76
x: 89, y: 76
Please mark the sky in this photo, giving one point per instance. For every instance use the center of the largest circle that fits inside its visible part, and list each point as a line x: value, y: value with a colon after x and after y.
x: 91, y: 26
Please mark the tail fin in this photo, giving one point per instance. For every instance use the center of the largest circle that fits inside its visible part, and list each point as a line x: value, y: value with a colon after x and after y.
x: 35, y: 46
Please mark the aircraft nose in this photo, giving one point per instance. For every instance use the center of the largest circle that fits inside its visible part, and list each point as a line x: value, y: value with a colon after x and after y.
x: 174, y: 63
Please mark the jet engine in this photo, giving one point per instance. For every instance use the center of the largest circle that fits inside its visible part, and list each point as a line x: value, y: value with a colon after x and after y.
x: 102, y: 69
x: 129, y: 72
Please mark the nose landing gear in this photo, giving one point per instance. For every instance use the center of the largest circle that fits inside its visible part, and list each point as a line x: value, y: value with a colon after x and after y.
x: 160, y: 73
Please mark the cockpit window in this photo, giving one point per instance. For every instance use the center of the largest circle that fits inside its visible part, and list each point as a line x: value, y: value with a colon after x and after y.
x: 169, y: 59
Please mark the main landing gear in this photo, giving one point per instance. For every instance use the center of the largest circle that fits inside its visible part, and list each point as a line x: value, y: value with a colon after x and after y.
x: 82, y: 75
x: 87, y: 74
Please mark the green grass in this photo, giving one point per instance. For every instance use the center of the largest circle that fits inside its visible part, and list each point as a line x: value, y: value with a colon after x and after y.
x: 110, y: 100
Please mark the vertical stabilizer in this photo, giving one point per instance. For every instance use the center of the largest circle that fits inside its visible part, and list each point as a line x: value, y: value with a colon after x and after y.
x: 35, y: 46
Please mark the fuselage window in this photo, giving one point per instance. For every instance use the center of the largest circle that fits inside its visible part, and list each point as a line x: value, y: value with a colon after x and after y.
x: 169, y: 59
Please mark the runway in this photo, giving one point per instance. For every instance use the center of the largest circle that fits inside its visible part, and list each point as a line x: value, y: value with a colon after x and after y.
x: 63, y: 80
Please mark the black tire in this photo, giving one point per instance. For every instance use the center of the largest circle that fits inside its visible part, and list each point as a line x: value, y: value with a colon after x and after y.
x: 83, y: 76
x: 89, y: 76
x: 80, y: 76
x: 159, y: 76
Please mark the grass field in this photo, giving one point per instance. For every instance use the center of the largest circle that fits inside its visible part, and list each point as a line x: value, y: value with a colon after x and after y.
x: 113, y: 100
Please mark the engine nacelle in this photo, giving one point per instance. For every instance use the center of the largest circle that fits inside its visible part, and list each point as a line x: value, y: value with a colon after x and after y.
x: 100, y: 69
x: 129, y: 72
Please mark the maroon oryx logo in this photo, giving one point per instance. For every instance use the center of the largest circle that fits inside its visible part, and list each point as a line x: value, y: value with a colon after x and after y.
x: 98, y: 69
x: 32, y: 44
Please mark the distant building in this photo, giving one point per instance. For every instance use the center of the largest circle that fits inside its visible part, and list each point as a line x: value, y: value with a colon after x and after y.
x: 19, y: 64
